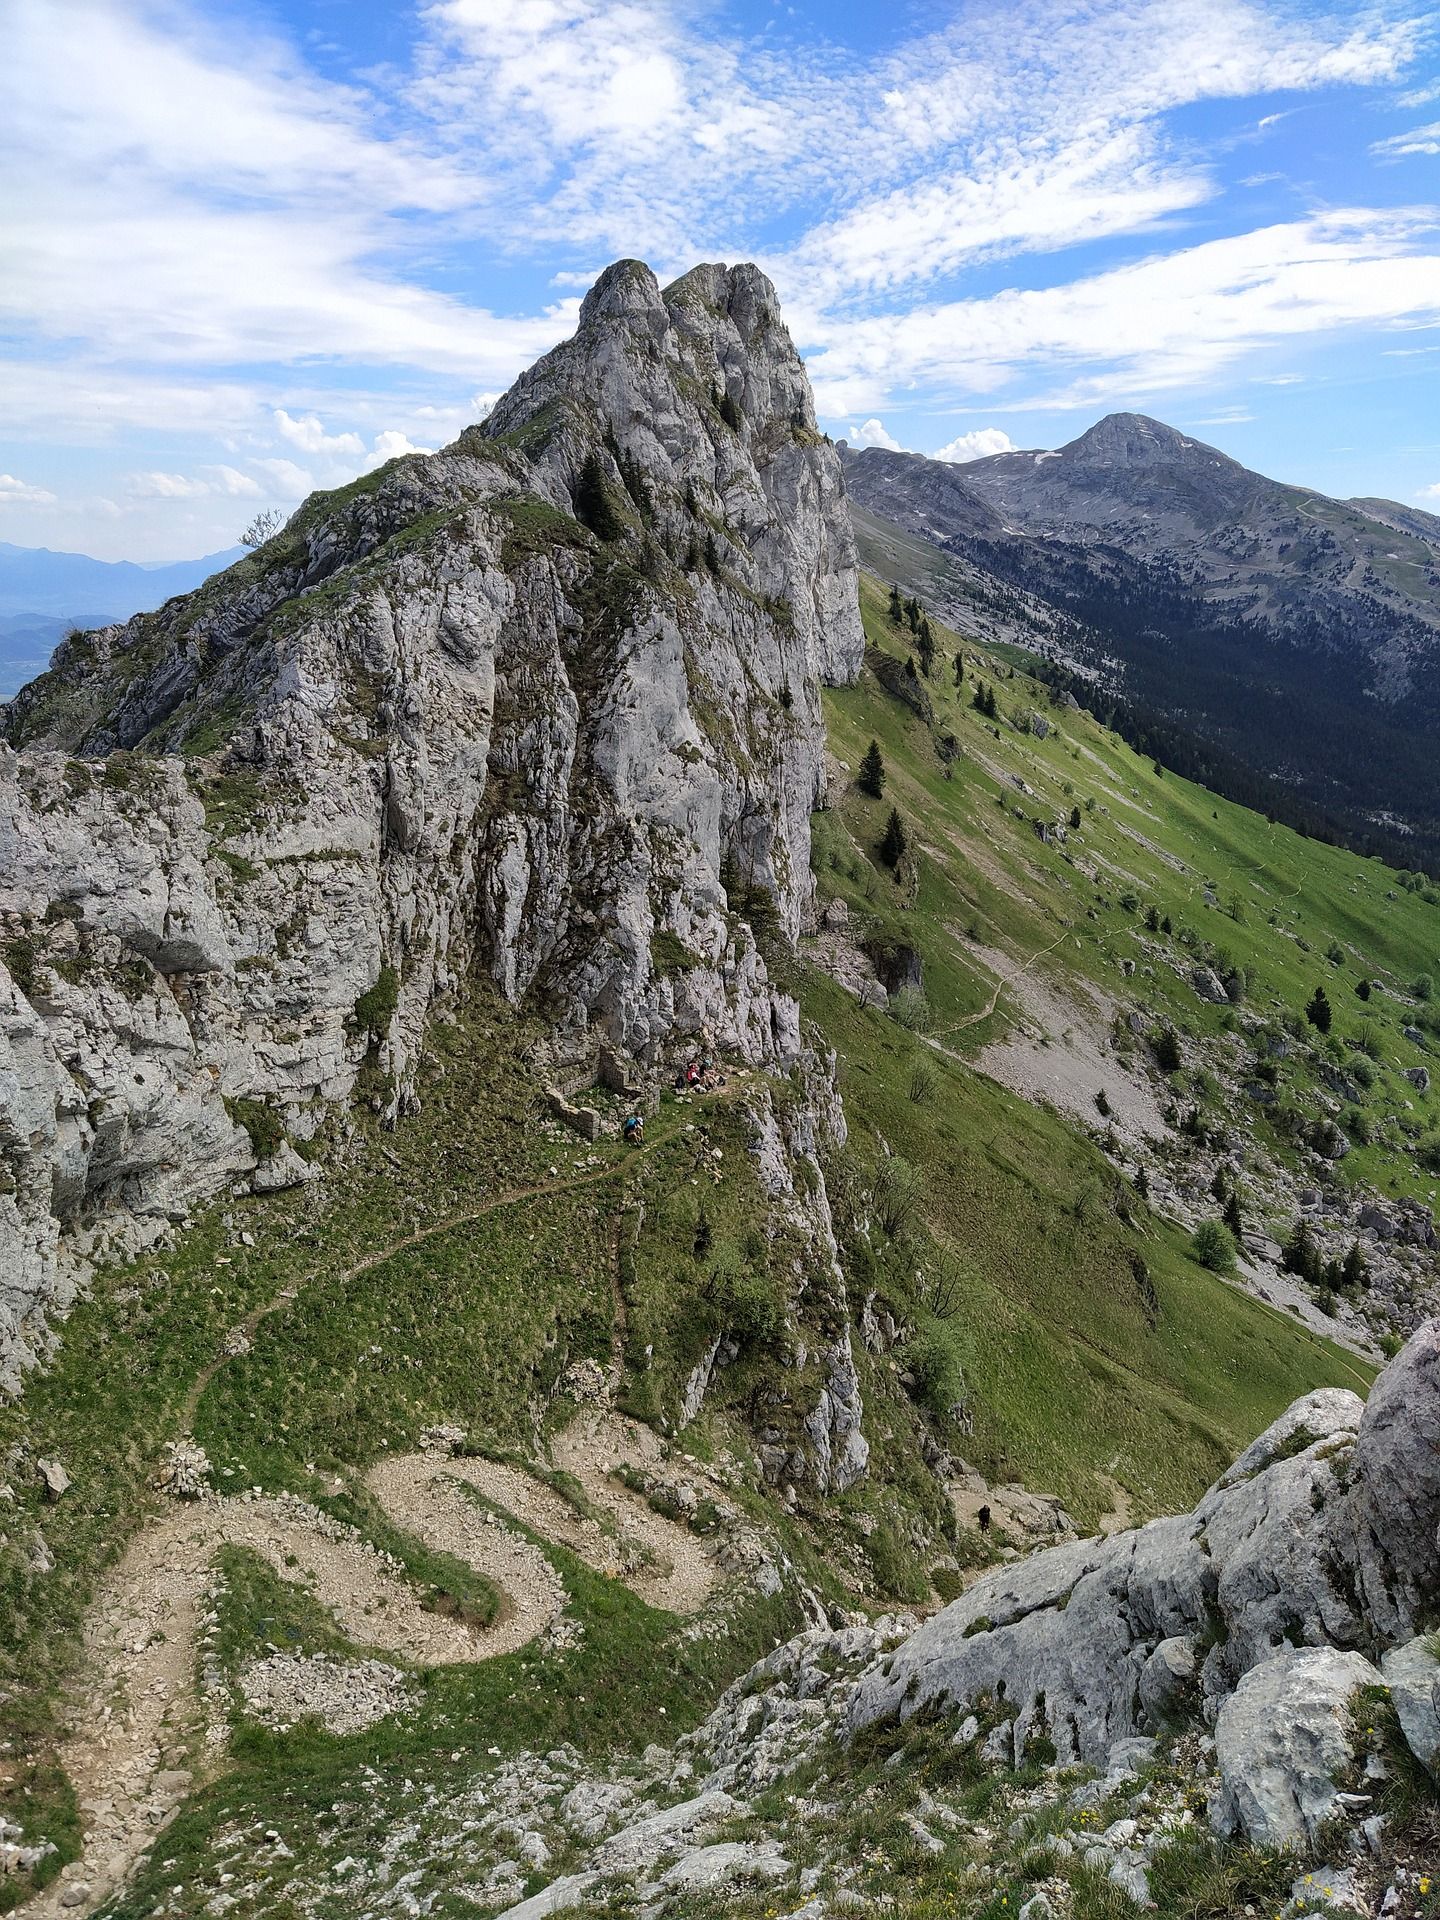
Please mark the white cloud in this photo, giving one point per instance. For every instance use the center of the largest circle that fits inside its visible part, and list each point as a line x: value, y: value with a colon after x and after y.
x: 17, y: 493
x: 229, y: 480
x: 1429, y: 493
x: 165, y: 486
x: 1424, y: 140
x: 286, y: 480
x: 389, y: 446
x: 1163, y: 323
x: 279, y: 253
x: 222, y: 480
x: 873, y: 433
x: 977, y: 445
x: 311, y: 437
x: 235, y: 208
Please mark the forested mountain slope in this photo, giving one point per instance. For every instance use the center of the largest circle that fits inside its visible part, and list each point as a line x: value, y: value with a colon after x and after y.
x: 1296, y: 635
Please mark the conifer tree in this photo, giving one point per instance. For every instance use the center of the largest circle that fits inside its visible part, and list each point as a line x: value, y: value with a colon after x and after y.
x: 872, y: 771
x: 927, y: 647
x: 897, y: 612
x: 895, y: 842
x: 1301, y: 1255
x: 959, y: 664
x: 1318, y: 1011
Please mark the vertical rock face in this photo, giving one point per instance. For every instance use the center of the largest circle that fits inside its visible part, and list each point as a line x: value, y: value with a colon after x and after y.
x: 545, y: 704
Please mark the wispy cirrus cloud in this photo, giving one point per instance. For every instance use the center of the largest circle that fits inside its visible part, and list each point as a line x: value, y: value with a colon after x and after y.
x: 1419, y: 140
x: 1164, y: 323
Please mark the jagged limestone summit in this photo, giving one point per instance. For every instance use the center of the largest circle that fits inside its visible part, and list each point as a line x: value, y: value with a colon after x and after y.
x: 545, y: 703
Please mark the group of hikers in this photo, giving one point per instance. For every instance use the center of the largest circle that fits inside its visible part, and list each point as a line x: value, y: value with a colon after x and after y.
x: 699, y: 1075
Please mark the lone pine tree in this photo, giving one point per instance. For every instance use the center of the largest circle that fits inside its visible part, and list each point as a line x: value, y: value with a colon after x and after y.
x: 895, y: 842
x: 872, y: 771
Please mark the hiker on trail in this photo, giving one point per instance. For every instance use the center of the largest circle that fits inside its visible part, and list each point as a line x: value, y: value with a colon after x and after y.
x: 984, y: 1518
x: 634, y: 1130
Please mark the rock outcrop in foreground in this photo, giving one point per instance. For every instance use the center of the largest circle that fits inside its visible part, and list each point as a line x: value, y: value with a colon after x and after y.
x: 544, y: 705
x: 1261, y: 1613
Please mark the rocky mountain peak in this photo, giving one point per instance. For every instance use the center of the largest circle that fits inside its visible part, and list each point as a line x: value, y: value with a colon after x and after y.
x: 519, y: 707
x: 1135, y: 440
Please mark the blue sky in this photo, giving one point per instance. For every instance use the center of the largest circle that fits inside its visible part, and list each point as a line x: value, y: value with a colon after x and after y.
x: 251, y: 247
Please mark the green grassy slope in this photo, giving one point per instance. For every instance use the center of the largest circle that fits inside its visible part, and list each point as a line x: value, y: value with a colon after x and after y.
x: 1294, y: 913
x: 1080, y: 1365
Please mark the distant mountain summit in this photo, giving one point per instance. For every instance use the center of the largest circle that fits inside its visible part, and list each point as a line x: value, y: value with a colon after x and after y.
x: 36, y: 580
x: 43, y: 595
x: 1126, y: 469
x: 1299, y: 633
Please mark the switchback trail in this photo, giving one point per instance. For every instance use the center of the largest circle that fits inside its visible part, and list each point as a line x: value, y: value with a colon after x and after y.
x: 240, y: 1335
x: 140, y: 1728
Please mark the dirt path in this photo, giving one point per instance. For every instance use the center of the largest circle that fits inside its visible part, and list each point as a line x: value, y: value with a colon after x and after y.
x: 239, y: 1337
x: 675, y: 1570
x: 1064, y: 1053
x: 142, y: 1723
x: 142, y: 1719
x: 1007, y: 978
x: 419, y: 1493
x: 619, y: 1316
x: 1121, y: 1516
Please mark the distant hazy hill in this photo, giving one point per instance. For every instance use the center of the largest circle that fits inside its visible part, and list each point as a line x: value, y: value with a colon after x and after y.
x: 44, y: 594
x: 1297, y: 633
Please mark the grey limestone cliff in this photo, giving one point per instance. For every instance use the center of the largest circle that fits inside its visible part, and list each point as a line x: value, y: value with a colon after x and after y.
x: 518, y: 708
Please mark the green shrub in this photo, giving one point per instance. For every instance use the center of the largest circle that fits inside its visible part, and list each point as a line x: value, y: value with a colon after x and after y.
x: 669, y: 953
x: 895, y: 1195
x: 911, y: 1009
x: 747, y: 1299
x: 922, y: 1083
x: 264, y: 1126
x: 1213, y: 1246
x: 935, y: 1367
x: 375, y: 1008
x: 22, y: 958
x: 1165, y: 1045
